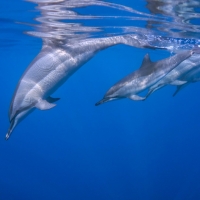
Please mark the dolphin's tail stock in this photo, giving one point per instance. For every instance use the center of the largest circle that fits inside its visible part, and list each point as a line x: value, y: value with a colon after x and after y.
x: 97, y: 44
x: 139, y: 41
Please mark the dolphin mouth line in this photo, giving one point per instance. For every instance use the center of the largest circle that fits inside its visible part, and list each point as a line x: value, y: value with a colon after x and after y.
x: 106, y: 99
x: 10, y: 128
x: 13, y: 120
x: 22, y: 110
x: 102, y: 101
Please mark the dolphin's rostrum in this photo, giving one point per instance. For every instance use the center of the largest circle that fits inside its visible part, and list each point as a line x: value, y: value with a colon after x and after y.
x: 51, y: 68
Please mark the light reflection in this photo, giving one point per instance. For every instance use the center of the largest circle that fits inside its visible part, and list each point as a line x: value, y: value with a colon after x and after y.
x: 182, y: 15
x: 168, y: 23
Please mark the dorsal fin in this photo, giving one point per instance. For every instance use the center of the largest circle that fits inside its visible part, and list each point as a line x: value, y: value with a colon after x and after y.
x: 146, y: 61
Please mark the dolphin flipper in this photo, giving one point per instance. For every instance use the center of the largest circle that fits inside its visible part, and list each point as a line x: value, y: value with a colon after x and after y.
x: 52, y: 100
x: 178, y: 82
x: 178, y: 88
x: 136, y: 97
x: 44, y: 105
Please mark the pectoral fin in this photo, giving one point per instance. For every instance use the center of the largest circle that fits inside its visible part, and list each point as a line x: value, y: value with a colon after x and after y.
x: 44, y: 105
x: 135, y: 97
x: 178, y: 88
x: 178, y: 82
x: 52, y: 100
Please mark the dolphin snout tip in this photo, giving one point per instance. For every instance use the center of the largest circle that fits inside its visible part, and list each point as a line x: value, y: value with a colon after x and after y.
x: 7, y: 136
x: 97, y: 104
x: 100, y: 102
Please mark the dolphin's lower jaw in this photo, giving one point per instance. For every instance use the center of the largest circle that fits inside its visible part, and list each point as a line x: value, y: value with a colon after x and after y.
x: 12, y: 125
x: 100, y: 102
x: 17, y: 119
x: 104, y: 100
x: 7, y: 136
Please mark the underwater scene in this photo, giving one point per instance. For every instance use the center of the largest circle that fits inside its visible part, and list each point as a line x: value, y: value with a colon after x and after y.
x: 100, y: 100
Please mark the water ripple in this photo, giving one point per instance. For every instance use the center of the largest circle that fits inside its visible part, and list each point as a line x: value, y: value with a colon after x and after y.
x: 69, y: 20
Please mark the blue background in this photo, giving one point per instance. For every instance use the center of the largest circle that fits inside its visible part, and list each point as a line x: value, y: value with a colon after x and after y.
x: 122, y: 150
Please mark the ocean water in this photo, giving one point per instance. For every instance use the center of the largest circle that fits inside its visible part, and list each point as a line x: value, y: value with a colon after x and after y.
x: 121, y: 150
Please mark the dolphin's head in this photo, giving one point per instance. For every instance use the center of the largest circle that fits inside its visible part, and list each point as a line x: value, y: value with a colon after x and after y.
x: 110, y: 95
x: 19, y: 108
x: 105, y: 99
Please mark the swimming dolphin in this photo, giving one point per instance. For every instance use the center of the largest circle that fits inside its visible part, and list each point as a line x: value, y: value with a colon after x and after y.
x: 192, y: 76
x: 174, y: 76
x: 148, y: 74
x: 51, y: 68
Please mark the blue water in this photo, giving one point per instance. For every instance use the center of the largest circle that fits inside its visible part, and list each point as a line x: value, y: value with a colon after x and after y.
x: 122, y: 150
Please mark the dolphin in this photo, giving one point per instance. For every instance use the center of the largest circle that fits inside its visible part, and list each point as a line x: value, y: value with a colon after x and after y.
x: 52, y: 67
x: 147, y: 75
x: 174, y: 76
x: 192, y: 76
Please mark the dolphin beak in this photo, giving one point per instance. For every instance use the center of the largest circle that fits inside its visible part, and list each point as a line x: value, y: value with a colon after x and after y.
x: 100, y: 102
x: 10, y: 130
x: 7, y: 135
x: 104, y: 100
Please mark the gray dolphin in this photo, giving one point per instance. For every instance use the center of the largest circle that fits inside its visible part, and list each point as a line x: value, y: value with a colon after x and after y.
x: 192, y: 76
x: 174, y: 76
x: 148, y: 74
x: 51, y: 68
